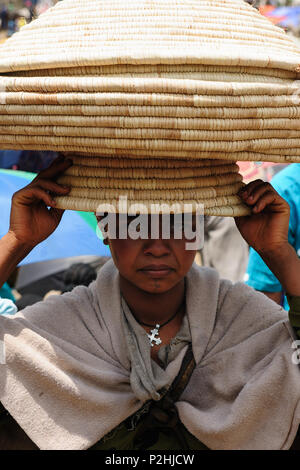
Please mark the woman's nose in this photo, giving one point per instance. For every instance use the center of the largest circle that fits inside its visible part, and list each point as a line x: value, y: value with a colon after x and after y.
x: 156, y: 247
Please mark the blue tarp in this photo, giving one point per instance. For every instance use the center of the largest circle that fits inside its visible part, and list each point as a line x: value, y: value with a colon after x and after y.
x: 73, y: 237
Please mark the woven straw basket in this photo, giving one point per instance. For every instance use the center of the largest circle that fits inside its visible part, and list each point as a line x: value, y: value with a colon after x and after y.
x: 155, y: 100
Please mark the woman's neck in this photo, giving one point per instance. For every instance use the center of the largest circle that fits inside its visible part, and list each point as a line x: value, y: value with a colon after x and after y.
x: 152, y: 308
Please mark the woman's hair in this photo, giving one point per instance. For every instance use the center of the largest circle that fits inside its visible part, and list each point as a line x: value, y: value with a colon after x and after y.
x: 77, y: 275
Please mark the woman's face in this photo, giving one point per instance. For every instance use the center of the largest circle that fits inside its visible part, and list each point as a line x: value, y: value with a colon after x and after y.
x: 152, y: 265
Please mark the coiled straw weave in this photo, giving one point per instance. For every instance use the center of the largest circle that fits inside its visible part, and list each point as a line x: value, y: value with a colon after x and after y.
x: 155, y: 185
x: 147, y: 95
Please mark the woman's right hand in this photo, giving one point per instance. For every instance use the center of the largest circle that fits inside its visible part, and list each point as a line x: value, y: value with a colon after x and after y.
x: 31, y: 221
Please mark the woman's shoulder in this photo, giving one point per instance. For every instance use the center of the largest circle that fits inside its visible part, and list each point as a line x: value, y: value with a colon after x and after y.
x: 56, y: 318
x: 235, y: 300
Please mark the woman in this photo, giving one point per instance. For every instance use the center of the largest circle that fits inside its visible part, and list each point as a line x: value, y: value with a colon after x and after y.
x: 164, y: 354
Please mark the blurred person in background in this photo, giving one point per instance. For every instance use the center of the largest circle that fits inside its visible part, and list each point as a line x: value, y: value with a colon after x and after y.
x: 79, y: 274
x: 32, y: 161
x: 224, y: 248
x: 258, y: 275
x: 4, y: 17
x: 35, y: 161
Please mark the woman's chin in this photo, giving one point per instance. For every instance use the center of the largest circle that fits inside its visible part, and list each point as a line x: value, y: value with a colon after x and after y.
x: 156, y: 286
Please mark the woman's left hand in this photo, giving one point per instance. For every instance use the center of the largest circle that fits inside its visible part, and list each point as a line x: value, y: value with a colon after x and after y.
x: 266, y: 230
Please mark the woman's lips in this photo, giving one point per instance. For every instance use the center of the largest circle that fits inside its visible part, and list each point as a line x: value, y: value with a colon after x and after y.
x: 157, y: 271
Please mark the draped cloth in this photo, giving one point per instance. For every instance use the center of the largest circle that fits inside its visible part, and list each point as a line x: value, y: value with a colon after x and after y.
x: 75, y: 366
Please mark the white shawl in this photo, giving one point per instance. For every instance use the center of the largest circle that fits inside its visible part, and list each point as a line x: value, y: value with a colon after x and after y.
x: 76, y: 367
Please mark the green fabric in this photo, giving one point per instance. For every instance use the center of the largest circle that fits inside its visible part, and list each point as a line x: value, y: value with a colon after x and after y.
x: 294, y: 313
x: 6, y: 292
x: 123, y: 439
x: 26, y: 175
x: 156, y: 426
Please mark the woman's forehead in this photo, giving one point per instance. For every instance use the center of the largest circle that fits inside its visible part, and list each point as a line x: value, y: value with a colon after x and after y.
x: 153, y: 227
x: 146, y: 217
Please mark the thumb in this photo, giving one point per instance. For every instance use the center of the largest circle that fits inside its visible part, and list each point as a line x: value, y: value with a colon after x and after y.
x: 56, y: 214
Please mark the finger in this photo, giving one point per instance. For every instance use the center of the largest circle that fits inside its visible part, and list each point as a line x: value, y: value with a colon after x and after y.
x: 257, y: 192
x: 248, y: 188
x: 56, y: 167
x: 267, y: 198
x: 54, y: 163
x: 274, y: 201
x: 60, y: 157
x: 31, y: 195
x: 52, y: 186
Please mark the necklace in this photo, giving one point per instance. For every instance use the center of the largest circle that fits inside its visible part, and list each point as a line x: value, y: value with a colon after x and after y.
x: 154, y: 336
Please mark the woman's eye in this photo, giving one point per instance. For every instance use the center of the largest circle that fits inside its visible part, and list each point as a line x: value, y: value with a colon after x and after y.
x: 176, y: 225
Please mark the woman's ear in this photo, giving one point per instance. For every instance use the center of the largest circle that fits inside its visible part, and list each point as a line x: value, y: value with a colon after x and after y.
x: 104, y: 237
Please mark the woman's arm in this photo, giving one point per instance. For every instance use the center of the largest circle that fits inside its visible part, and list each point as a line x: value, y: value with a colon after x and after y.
x: 276, y: 296
x: 31, y: 221
x: 285, y: 264
x: 266, y: 230
x: 11, y: 253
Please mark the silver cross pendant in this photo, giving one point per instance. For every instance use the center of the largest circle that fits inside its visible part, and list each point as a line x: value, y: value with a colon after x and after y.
x: 152, y: 337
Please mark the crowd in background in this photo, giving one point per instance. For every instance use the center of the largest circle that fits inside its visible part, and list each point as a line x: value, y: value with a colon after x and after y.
x: 283, y: 13
x: 16, y: 13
